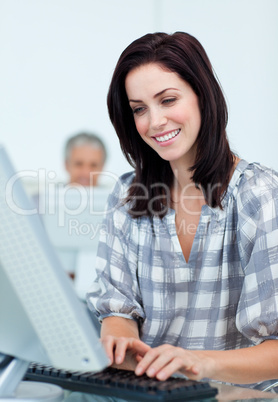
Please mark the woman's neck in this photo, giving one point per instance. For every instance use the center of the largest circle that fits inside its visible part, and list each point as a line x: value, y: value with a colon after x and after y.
x: 183, y: 184
x: 183, y: 177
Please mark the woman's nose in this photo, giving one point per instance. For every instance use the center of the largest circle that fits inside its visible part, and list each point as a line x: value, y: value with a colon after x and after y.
x: 157, y: 119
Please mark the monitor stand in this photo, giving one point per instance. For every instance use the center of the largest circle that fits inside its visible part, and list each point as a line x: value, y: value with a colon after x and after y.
x: 13, y: 389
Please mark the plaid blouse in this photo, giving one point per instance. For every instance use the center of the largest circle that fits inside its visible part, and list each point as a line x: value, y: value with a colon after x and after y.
x: 224, y: 297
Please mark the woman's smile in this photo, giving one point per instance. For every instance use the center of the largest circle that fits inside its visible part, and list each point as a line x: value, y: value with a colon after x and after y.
x: 164, y: 138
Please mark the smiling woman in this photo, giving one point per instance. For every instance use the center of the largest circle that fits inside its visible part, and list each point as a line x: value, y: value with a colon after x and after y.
x: 181, y: 64
x: 187, y: 279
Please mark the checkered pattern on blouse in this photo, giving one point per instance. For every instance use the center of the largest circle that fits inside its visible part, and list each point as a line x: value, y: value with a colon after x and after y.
x: 224, y: 297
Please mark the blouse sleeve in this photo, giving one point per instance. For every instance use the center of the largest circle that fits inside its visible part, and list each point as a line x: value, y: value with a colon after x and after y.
x: 115, y: 291
x: 257, y: 313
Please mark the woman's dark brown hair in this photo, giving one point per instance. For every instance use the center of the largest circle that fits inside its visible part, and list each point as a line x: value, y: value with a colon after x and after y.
x: 183, y: 54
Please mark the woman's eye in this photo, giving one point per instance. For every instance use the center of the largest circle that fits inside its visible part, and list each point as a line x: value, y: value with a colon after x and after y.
x: 168, y: 100
x: 138, y: 110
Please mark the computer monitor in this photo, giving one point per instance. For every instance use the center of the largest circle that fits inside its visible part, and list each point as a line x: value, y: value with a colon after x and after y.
x: 41, y: 318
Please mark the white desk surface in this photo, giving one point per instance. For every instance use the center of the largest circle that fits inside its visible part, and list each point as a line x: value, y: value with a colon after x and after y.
x: 230, y: 393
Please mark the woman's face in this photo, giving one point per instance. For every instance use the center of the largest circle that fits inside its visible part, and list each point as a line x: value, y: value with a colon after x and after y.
x: 166, y: 111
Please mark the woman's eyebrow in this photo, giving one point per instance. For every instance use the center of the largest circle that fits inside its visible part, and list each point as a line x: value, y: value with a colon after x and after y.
x: 155, y: 96
x: 164, y: 90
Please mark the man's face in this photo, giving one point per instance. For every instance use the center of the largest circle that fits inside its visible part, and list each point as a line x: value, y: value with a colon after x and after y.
x: 84, y: 165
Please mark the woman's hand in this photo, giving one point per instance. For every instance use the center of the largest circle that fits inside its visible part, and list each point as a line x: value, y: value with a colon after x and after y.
x: 163, y: 361
x: 124, y: 352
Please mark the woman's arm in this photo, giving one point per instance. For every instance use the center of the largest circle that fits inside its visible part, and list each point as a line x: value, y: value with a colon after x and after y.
x: 241, y: 366
x: 120, y: 338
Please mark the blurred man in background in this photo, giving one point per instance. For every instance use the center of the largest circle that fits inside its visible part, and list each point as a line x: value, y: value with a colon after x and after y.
x: 85, y: 156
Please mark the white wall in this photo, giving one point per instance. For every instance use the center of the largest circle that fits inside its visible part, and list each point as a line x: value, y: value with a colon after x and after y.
x: 57, y: 58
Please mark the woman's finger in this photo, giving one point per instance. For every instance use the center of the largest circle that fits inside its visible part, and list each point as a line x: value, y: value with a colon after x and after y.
x: 147, y: 360
x: 108, y: 343
x: 164, y: 361
x: 120, y: 349
x: 117, y: 347
x: 139, y: 347
x: 177, y: 364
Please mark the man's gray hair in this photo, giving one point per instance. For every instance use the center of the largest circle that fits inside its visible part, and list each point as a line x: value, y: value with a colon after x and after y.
x: 84, y: 139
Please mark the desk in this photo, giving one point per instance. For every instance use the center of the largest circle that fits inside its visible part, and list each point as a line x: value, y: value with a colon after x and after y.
x: 225, y: 393
x: 230, y: 393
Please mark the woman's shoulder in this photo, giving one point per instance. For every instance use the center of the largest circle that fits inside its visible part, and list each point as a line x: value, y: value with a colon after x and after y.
x: 254, y: 184
x: 121, y: 186
x: 255, y: 175
x: 116, y: 207
x: 125, y: 180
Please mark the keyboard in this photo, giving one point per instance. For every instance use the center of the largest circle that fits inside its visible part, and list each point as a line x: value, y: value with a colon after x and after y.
x: 122, y: 384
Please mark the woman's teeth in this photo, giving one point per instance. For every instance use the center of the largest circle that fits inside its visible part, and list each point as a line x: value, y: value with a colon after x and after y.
x: 167, y: 136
